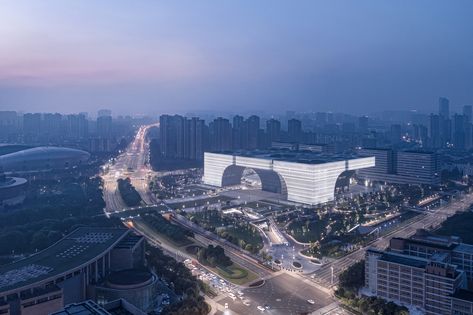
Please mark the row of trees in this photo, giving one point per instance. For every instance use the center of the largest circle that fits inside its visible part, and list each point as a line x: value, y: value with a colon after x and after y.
x: 181, y: 281
x: 236, y: 231
x: 172, y: 231
x: 129, y: 194
x: 213, y: 256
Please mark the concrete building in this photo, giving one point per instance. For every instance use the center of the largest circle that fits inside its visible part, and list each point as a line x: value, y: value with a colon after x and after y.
x: 304, y: 178
x: 182, y: 138
x: 429, y: 272
x: 89, y: 307
x: 401, y: 167
x: 12, y: 190
x: 425, y: 245
x: 66, y: 272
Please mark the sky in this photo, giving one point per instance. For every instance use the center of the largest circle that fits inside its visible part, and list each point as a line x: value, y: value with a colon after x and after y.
x: 152, y: 57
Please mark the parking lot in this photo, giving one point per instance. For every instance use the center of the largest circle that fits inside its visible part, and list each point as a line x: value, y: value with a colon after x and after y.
x: 283, y: 294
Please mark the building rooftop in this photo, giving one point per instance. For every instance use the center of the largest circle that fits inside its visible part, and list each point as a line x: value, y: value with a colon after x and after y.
x: 405, y: 260
x: 129, y: 241
x: 74, y: 250
x: 463, y: 294
x: 464, y: 248
x: 446, y: 242
x: 82, y: 308
x: 305, y: 157
x: 118, y: 307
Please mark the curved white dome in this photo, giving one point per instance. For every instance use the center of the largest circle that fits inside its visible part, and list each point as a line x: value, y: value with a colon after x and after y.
x: 42, y: 158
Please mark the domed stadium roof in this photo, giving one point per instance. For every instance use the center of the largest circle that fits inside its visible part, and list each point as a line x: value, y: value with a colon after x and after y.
x: 39, y: 158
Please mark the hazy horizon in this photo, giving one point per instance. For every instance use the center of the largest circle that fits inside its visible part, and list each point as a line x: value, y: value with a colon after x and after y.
x: 270, y: 56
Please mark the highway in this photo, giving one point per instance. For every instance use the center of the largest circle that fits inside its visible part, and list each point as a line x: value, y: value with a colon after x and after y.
x: 430, y: 220
x: 231, y: 250
x: 132, y: 163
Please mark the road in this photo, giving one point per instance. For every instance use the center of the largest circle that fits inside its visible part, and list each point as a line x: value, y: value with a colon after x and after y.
x: 132, y: 163
x: 430, y: 220
x: 231, y: 250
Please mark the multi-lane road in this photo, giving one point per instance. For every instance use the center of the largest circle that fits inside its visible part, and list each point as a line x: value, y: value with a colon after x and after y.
x: 132, y: 163
x: 431, y: 219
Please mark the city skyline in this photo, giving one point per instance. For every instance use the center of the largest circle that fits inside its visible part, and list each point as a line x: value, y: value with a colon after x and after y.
x: 163, y: 57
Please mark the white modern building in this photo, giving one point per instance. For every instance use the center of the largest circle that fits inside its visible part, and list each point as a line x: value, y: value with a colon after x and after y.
x: 42, y: 159
x: 305, y: 181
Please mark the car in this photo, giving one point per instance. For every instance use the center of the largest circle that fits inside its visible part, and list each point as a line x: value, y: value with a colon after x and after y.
x: 259, y: 307
x: 311, y: 302
x: 246, y: 302
x: 226, y: 305
x: 266, y: 306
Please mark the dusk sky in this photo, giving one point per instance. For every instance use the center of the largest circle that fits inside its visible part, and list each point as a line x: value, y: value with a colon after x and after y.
x: 230, y: 56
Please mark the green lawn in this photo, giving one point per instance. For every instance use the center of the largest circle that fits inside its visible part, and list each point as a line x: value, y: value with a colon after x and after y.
x: 236, y: 274
x: 306, y: 231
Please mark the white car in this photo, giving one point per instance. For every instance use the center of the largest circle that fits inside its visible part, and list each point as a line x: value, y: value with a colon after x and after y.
x: 311, y: 302
x: 226, y: 305
x: 259, y: 307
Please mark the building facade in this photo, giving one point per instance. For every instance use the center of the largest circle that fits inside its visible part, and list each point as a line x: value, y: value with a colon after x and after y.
x: 65, y: 272
x: 401, y: 167
x: 308, y: 183
x: 428, y: 272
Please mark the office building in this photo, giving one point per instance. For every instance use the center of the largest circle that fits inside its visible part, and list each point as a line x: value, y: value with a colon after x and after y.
x: 363, y: 124
x: 252, y: 136
x: 239, y: 131
x: 104, y: 127
x: 53, y: 127
x: 427, y: 284
x: 401, y: 167
x: 31, y: 127
x: 434, y: 132
x: 71, y: 271
x: 182, y: 138
x: 294, y: 130
x: 304, y: 178
x: 220, y: 132
x: 425, y: 245
x: 444, y: 107
x: 89, y: 307
x: 77, y: 126
x: 104, y: 113
x: 430, y: 272
x: 197, y: 142
x: 273, y: 130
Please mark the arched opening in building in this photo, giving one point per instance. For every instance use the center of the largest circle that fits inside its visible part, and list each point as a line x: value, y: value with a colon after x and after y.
x: 344, y: 181
x: 266, y: 180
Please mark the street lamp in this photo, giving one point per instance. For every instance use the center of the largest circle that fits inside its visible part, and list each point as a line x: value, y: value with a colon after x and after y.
x: 331, y: 269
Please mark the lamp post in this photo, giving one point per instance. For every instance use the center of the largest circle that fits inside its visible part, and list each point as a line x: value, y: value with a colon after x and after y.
x: 331, y: 268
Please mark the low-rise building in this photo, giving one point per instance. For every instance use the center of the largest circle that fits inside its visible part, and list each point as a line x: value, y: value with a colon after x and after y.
x: 68, y: 271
